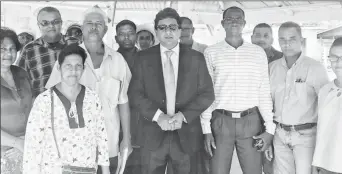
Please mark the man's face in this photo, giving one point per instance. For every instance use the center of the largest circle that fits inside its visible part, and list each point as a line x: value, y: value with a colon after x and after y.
x: 145, y: 39
x: 71, y: 69
x: 94, y: 27
x: 336, y: 65
x: 24, y: 39
x: 233, y: 21
x: 262, y: 37
x: 126, y: 36
x: 50, y: 24
x: 290, y: 41
x: 76, y: 33
x: 187, y: 31
x: 168, y: 32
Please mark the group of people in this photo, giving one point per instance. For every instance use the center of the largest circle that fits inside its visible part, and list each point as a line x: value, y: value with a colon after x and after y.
x: 71, y: 103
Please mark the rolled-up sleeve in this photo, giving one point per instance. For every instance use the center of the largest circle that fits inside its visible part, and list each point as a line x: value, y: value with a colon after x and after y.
x: 125, y: 80
x: 101, y: 137
x: 34, y: 137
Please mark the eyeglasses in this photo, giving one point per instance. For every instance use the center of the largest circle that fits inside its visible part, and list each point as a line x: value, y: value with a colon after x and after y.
x: 231, y: 20
x: 47, y: 23
x: 171, y: 27
x: 334, y: 58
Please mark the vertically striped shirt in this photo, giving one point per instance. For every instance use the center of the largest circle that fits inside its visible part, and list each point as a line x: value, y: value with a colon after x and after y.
x: 38, y: 58
x: 241, y: 81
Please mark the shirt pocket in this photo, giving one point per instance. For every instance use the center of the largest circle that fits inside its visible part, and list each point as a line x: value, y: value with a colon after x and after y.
x: 300, y: 91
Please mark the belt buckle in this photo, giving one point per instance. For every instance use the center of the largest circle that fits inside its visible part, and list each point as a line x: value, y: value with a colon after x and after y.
x: 293, y: 128
x: 236, y: 115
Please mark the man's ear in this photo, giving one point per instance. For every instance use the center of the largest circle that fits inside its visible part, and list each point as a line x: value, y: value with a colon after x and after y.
x: 116, y: 39
x: 105, y: 29
x: 193, y: 30
x: 58, y: 67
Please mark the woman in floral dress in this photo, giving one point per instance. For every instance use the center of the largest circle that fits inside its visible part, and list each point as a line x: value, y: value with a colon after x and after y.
x: 78, y: 120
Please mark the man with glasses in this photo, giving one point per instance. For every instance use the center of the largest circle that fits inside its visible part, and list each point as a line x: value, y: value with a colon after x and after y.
x: 295, y: 82
x: 187, y: 33
x: 327, y: 157
x: 170, y: 88
x: 240, y: 75
x: 39, y: 56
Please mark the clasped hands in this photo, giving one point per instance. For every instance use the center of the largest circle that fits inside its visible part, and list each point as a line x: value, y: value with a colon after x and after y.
x: 170, y: 123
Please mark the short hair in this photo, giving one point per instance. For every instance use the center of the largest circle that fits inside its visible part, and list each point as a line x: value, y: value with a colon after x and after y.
x: 233, y: 8
x: 167, y: 13
x: 262, y: 25
x: 10, y: 34
x: 291, y: 24
x: 26, y: 33
x: 72, y: 49
x: 337, y: 42
x: 183, y: 18
x: 49, y: 10
x: 126, y: 22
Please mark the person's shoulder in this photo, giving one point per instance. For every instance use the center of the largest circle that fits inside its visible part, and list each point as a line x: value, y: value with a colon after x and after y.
x: 114, y: 55
x: 326, y: 88
x: 215, y: 46
x: 275, y: 63
x: 253, y: 48
x: 44, y: 97
x: 146, y: 54
x: 312, y: 62
x: 18, y: 71
x: 32, y: 44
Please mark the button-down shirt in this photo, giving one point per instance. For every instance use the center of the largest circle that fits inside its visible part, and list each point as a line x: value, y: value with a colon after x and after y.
x: 295, y: 90
x: 328, y: 149
x: 241, y: 81
x: 38, y: 59
x: 175, y: 61
x: 111, y: 86
x: 129, y: 56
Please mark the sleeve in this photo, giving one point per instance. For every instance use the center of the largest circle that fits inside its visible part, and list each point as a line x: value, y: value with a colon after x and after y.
x: 22, y: 60
x: 156, y: 115
x: 146, y: 107
x: 205, y: 93
x: 207, y: 114
x: 321, y: 77
x: 34, y: 137
x: 125, y: 80
x: 101, y: 136
x: 265, y: 99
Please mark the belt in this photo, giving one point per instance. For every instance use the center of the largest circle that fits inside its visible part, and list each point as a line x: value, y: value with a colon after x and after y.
x: 235, y: 114
x: 296, y: 127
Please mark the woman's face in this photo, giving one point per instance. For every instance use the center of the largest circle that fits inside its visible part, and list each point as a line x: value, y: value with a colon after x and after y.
x: 8, y: 52
x: 71, y: 69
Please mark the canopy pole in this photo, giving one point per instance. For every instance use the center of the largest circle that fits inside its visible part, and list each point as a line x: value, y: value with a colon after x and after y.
x: 114, y: 9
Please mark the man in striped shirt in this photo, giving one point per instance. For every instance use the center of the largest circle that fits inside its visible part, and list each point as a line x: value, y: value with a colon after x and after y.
x: 239, y: 71
x: 39, y: 57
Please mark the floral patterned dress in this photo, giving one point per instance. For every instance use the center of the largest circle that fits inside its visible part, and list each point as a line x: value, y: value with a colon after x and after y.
x: 77, y: 146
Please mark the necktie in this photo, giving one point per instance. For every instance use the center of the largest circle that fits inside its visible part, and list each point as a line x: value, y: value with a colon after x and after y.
x: 170, y: 85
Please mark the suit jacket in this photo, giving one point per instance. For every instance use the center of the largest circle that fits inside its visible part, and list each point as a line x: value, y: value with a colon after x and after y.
x: 194, y: 94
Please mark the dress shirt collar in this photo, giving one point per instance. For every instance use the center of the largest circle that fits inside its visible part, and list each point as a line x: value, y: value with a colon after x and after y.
x: 298, y: 61
x: 175, y: 49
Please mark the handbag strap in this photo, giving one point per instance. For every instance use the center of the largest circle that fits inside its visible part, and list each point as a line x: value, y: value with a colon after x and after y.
x: 52, y: 122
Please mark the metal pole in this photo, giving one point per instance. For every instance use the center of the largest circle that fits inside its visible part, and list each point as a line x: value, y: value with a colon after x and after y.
x: 114, y: 9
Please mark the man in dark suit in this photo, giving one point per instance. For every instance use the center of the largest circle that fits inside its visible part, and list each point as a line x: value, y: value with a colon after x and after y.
x: 170, y: 88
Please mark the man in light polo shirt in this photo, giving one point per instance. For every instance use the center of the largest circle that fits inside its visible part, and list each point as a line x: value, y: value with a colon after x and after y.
x: 295, y: 82
x: 239, y: 71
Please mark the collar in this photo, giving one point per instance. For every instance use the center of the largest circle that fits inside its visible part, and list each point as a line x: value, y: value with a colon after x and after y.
x: 40, y: 41
x: 105, y: 56
x: 225, y: 43
x: 175, y: 49
x: 298, y: 61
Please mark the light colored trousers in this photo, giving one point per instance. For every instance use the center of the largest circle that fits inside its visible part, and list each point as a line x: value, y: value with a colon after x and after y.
x: 293, y: 151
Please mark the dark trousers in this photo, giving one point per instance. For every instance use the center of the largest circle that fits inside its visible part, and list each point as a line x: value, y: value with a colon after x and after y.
x: 155, y: 162
x: 199, y: 163
x: 235, y: 132
x: 323, y: 171
x: 113, y: 165
x: 133, y: 165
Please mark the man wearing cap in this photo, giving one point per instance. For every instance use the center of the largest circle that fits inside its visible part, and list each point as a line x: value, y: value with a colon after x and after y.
x: 39, y: 56
x: 75, y: 31
x: 187, y: 33
x: 145, y: 36
x: 25, y: 38
x: 106, y: 72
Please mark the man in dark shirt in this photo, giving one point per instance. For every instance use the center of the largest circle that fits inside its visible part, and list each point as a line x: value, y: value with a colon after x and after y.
x: 126, y: 38
x: 263, y: 36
